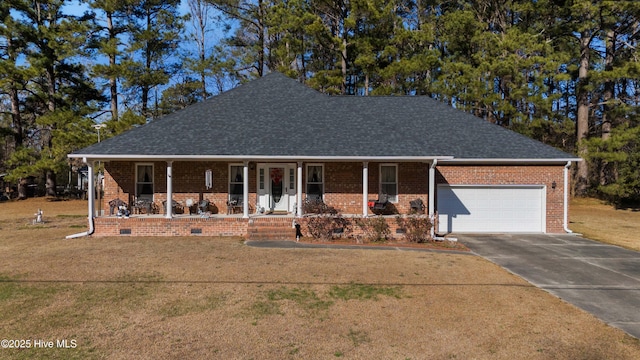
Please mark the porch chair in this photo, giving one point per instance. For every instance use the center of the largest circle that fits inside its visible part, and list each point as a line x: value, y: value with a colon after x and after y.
x: 192, y: 206
x: 142, y: 204
x: 234, y: 202
x: 417, y: 206
x: 203, y: 208
x: 381, y: 203
x: 115, y: 204
x: 175, y: 206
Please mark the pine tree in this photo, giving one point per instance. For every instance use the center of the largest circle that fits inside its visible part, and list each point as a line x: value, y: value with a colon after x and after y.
x: 248, y: 43
x: 155, y: 29
x: 12, y: 75
x: 60, y: 93
x: 110, y: 25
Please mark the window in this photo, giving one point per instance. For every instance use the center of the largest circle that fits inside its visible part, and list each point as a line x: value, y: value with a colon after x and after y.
x: 315, y: 184
x: 144, y: 181
x: 236, y: 182
x: 261, y: 179
x: 292, y: 180
x: 389, y: 181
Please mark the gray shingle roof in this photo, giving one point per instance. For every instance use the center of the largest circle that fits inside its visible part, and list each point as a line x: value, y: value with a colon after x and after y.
x: 278, y: 117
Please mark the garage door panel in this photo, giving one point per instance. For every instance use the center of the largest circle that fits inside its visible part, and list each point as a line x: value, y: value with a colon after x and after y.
x: 491, y: 208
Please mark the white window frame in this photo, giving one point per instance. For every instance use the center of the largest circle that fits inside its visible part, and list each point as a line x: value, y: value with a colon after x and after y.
x: 261, y: 179
x: 153, y: 184
x: 232, y: 182
x: 392, y: 198
x: 307, y: 177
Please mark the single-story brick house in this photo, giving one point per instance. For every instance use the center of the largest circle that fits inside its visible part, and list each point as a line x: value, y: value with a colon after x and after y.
x: 272, y: 143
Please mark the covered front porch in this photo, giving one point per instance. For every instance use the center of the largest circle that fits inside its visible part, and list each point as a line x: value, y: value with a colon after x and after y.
x: 239, y: 194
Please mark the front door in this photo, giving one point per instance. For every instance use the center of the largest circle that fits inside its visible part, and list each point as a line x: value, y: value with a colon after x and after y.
x: 279, y: 191
x: 276, y: 187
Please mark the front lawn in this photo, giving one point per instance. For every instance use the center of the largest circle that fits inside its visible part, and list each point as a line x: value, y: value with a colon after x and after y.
x: 599, y: 221
x: 201, y: 297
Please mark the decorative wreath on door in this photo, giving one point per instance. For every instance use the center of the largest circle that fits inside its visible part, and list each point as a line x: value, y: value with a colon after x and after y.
x: 276, y: 184
x: 276, y: 176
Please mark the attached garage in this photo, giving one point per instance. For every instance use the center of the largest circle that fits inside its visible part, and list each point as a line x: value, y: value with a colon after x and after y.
x: 491, y: 208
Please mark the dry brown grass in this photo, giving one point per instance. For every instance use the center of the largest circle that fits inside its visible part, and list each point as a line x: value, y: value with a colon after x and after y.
x: 599, y: 221
x: 196, y: 297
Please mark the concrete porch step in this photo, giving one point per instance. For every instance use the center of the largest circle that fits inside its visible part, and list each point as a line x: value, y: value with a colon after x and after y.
x: 271, y: 234
x: 268, y: 228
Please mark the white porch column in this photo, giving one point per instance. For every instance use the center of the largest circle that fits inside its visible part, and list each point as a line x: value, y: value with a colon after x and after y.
x: 365, y: 189
x: 91, y: 190
x: 245, y: 191
x: 432, y: 187
x: 169, y: 213
x: 299, y: 194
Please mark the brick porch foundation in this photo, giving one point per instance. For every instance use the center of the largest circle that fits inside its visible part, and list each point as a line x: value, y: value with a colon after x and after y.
x: 255, y: 228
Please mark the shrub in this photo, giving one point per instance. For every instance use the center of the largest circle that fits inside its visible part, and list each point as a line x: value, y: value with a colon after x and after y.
x: 324, y: 221
x: 417, y: 227
x: 375, y: 229
x: 324, y: 227
x: 318, y: 207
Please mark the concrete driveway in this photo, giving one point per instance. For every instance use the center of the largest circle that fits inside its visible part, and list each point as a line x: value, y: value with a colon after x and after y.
x: 601, y: 279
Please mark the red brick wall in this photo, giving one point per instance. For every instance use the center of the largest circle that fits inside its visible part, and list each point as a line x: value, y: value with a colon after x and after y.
x: 343, y: 185
x: 513, y: 175
x: 342, y: 181
x: 160, y: 226
x: 188, y: 183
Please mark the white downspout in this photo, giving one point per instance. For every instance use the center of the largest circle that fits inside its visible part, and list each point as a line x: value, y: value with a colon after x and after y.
x: 169, y: 212
x: 565, y: 221
x: 432, y: 200
x: 299, y: 191
x: 365, y: 189
x: 91, y: 206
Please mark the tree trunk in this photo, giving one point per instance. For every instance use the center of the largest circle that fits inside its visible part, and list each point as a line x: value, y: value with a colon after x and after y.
x: 582, y: 118
x: 113, y: 81
x: 261, y: 38
x: 147, y: 66
x: 366, y: 85
x: 343, y: 62
x: 199, y: 10
x: 50, y: 184
x: 606, y: 172
x: 22, y: 189
x: 16, y: 117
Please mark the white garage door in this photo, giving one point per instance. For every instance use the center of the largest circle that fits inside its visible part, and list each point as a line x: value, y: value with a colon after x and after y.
x: 494, y: 209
